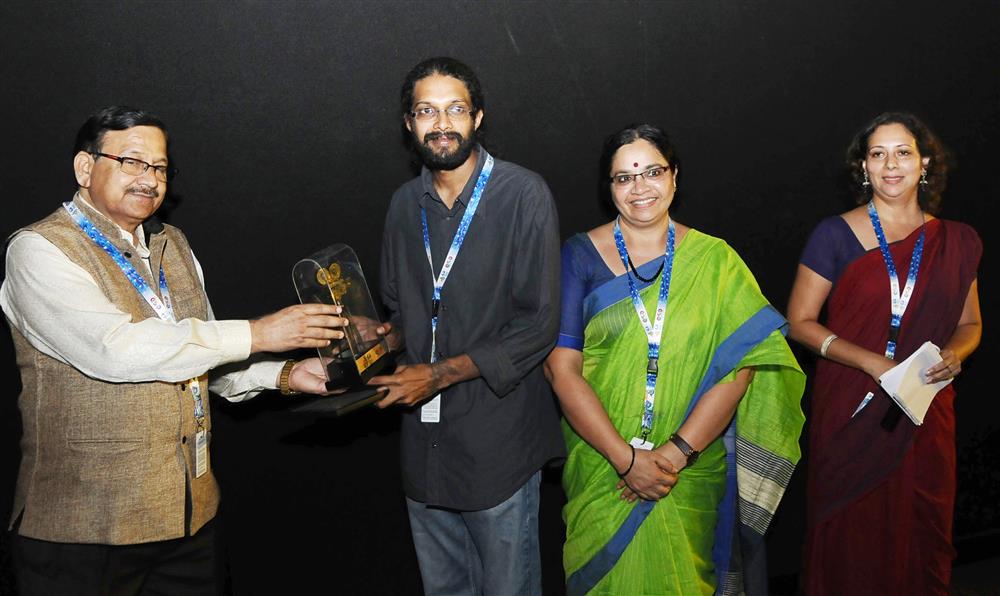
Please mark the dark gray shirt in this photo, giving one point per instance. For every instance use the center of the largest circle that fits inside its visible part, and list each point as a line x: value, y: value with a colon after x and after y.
x: 500, y: 305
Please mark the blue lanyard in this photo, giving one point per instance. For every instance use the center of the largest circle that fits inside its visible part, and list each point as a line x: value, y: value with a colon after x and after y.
x: 164, y: 309
x: 900, y: 300
x: 456, y: 246
x: 654, y: 329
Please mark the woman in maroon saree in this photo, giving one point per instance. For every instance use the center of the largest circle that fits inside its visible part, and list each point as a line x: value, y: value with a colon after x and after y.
x: 881, y: 490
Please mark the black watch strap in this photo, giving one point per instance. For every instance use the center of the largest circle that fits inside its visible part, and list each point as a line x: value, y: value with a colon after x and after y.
x: 688, y: 451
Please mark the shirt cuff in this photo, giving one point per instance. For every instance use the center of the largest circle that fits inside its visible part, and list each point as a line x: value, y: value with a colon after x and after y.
x: 264, y: 375
x: 495, y: 368
x: 248, y: 382
x: 235, y: 340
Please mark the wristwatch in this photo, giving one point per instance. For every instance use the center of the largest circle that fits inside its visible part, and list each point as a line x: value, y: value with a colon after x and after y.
x: 286, y: 370
x: 688, y: 451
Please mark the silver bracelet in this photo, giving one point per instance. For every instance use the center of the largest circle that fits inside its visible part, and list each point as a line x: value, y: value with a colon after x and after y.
x: 826, y: 344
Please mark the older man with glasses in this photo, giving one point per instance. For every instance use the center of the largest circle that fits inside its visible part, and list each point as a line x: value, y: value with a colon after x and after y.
x: 114, y: 336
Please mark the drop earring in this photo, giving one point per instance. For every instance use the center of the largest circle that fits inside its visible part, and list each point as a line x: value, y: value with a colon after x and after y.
x: 923, y: 178
x: 866, y: 183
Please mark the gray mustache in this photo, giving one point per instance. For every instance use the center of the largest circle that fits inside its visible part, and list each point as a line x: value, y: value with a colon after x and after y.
x: 142, y: 190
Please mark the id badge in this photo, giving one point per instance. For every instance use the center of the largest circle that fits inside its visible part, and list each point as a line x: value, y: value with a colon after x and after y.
x: 431, y: 411
x: 200, y: 453
x: 638, y: 443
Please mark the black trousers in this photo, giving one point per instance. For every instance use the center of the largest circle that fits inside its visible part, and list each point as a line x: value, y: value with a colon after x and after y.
x: 186, y: 566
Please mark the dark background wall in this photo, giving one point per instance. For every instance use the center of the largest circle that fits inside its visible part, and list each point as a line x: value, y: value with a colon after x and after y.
x: 285, y: 126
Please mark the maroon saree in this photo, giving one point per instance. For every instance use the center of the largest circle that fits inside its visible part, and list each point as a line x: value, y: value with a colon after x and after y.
x: 880, y: 502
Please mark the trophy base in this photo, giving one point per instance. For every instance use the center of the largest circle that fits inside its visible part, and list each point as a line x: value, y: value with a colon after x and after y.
x: 353, y: 384
x: 340, y: 404
x: 343, y: 373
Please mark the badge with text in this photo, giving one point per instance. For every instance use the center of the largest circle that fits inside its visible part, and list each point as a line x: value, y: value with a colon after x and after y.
x: 431, y: 411
x: 200, y: 453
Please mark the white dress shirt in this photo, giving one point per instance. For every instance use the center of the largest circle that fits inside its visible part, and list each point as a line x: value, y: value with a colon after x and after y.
x: 57, y: 306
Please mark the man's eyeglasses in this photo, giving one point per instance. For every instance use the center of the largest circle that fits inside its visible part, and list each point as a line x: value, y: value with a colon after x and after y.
x: 137, y: 167
x: 455, y: 112
x: 624, y: 180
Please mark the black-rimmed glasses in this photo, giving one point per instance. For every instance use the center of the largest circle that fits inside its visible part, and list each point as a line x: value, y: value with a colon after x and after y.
x: 137, y: 167
x: 623, y: 180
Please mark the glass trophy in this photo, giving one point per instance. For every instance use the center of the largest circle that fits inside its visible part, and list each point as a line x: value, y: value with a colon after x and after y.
x: 333, y: 276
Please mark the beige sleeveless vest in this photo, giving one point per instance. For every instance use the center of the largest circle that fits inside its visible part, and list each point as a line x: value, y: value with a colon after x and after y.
x: 107, y: 463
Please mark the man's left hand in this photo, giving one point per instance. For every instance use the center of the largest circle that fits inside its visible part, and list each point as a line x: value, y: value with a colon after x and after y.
x: 409, y: 385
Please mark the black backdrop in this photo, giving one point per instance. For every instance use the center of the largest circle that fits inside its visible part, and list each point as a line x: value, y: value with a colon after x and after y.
x: 285, y: 125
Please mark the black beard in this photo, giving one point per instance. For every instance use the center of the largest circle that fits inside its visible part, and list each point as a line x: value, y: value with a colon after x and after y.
x: 445, y: 161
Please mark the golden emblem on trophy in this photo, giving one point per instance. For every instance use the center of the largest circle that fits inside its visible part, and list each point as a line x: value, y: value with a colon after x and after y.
x: 330, y: 277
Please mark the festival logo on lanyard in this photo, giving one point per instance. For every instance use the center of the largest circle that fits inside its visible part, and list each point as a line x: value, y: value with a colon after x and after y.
x: 654, y: 330
x: 431, y: 411
x: 900, y: 300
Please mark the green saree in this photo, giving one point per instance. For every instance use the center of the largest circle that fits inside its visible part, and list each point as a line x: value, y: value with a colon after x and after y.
x: 717, y: 322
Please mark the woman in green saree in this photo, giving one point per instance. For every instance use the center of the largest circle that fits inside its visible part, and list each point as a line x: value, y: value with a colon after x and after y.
x: 680, y: 394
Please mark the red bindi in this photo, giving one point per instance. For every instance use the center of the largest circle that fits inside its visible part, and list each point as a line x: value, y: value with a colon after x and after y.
x: 635, y: 165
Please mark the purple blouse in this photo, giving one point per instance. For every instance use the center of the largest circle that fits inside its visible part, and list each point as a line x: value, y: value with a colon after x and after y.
x: 831, y: 247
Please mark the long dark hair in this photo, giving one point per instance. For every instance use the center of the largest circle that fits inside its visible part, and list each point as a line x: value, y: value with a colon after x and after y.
x: 928, y: 195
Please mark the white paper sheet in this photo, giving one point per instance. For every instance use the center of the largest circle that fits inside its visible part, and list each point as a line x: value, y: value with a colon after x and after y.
x: 906, y: 382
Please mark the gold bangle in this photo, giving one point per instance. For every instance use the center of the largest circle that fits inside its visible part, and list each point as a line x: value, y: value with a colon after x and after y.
x: 826, y: 344
x: 286, y: 370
